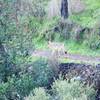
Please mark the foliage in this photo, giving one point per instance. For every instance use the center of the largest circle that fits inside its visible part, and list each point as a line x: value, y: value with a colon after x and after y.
x: 35, y: 75
x: 63, y: 90
x: 94, y: 42
x: 72, y: 90
x: 21, y: 23
x: 15, y: 38
x: 89, y: 16
x: 42, y: 73
x: 38, y: 94
x: 16, y: 88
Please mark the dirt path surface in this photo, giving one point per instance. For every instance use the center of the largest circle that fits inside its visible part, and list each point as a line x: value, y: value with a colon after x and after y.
x: 78, y: 57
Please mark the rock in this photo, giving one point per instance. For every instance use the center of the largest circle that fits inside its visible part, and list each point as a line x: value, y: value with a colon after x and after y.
x: 76, y: 6
x: 86, y: 73
x: 78, y: 78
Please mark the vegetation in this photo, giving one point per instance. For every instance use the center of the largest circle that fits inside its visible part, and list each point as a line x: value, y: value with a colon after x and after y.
x: 63, y: 90
x: 25, y: 27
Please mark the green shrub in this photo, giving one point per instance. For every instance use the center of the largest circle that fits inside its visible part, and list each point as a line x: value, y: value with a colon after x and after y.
x: 38, y: 9
x: 16, y: 88
x: 64, y: 90
x: 24, y: 85
x: 7, y: 90
x: 39, y: 93
x: 3, y: 89
x: 37, y: 75
x: 42, y: 72
x: 74, y: 90
x: 93, y: 40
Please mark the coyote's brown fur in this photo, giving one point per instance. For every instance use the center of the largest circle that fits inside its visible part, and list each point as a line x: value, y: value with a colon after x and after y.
x: 57, y: 48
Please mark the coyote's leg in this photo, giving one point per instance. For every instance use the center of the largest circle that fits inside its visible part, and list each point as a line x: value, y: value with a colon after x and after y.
x: 58, y: 53
x: 53, y: 52
x: 63, y: 51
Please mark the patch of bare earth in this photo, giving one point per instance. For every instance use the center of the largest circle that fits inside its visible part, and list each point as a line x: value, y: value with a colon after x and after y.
x: 79, y: 57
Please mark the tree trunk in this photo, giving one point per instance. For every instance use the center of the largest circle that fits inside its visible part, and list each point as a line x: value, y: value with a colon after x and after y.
x: 64, y: 9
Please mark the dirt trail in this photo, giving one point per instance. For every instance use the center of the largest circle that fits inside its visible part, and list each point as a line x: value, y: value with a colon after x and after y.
x: 78, y: 57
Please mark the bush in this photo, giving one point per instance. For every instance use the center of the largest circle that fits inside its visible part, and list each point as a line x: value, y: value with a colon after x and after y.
x: 93, y: 39
x: 38, y: 9
x: 16, y: 88
x: 8, y: 91
x: 39, y: 93
x: 74, y: 90
x: 42, y: 73
x: 38, y: 74
x: 24, y: 85
x: 64, y: 90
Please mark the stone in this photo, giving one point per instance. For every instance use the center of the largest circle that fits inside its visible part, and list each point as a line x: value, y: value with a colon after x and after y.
x: 75, y: 6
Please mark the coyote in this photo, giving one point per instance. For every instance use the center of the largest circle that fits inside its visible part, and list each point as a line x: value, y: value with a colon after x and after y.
x: 57, y: 48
